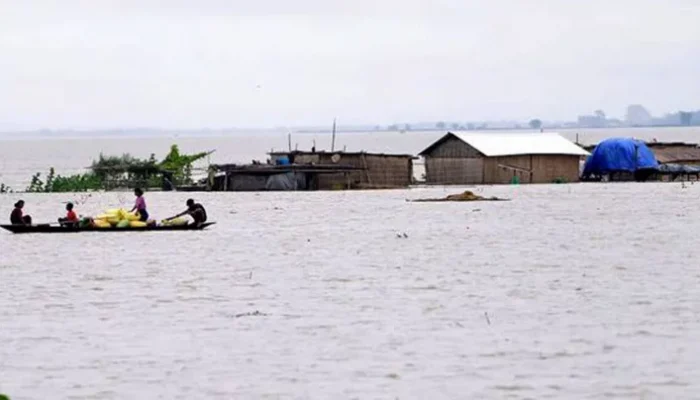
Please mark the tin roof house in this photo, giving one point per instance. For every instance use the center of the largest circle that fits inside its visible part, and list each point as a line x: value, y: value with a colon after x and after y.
x: 500, y: 158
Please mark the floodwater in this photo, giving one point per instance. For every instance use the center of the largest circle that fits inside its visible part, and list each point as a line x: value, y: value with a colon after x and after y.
x: 566, y: 291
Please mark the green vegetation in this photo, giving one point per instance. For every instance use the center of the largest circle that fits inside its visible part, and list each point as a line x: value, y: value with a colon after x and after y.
x: 125, y: 171
x: 4, y: 397
x: 4, y: 189
x: 535, y: 124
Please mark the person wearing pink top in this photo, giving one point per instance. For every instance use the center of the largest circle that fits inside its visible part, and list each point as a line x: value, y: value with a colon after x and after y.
x: 140, y: 205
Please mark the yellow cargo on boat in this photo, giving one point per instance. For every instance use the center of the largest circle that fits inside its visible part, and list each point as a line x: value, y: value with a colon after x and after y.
x: 100, y: 223
x: 132, y: 216
x: 113, y: 220
x: 174, y: 222
x: 103, y: 216
x: 137, y: 224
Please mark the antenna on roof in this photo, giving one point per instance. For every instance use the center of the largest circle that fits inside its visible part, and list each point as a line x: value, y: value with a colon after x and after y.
x: 333, y: 139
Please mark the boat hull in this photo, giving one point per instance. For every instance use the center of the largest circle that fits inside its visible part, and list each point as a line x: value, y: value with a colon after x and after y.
x: 74, y: 229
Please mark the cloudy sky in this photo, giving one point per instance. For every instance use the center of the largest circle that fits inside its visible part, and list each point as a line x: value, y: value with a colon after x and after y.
x: 222, y: 63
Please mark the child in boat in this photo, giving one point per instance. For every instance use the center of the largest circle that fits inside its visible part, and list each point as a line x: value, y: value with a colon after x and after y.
x: 17, y: 216
x: 140, y: 205
x: 71, y: 216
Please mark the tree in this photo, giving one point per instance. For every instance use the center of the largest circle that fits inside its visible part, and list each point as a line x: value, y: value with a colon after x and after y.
x: 440, y: 125
x: 535, y: 124
x: 455, y: 126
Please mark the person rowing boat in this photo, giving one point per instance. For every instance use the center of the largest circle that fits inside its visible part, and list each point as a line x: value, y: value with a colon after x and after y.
x: 194, y: 210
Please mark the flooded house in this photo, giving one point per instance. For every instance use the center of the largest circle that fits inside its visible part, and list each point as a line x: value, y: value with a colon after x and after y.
x: 370, y: 170
x: 629, y: 159
x: 500, y: 158
x: 315, y: 170
x: 675, y: 152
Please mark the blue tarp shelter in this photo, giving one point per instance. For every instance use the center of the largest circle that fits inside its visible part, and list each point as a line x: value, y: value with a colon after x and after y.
x: 619, y: 155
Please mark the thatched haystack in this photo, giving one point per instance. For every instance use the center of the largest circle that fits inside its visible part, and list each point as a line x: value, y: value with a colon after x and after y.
x: 466, y: 196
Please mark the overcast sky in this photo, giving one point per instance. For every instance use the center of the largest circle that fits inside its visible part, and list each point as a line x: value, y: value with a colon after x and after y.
x: 223, y: 63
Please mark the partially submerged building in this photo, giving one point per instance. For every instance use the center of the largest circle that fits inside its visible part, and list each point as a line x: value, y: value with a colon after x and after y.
x: 500, y: 158
x: 620, y: 159
x: 675, y: 152
x: 312, y: 170
x: 628, y: 159
x: 370, y: 170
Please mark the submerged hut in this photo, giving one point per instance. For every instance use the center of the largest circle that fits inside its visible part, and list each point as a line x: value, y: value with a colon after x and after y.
x: 370, y: 170
x: 262, y: 177
x: 621, y: 159
x: 675, y: 152
x: 302, y: 170
x: 499, y: 158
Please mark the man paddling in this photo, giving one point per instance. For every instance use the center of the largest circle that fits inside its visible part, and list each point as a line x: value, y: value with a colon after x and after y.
x: 194, y: 210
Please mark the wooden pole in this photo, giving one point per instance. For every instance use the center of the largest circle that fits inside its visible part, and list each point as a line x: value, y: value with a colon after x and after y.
x: 333, y: 139
x: 289, y: 140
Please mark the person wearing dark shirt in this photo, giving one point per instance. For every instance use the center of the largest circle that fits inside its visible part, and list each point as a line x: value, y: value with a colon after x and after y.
x: 194, y: 210
x: 71, y: 216
x: 17, y: 216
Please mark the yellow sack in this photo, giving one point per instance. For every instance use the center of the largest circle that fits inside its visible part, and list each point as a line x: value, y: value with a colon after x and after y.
x: 113, y: 220
x: 103, y: 217
x: 137, y: 224
x: 132, y: 216
x: 174, y: 222
x: 100, y: 223
x: 113, y: 211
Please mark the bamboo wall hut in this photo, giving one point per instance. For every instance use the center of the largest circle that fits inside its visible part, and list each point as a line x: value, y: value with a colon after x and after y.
x: 676, y: 160
x: 372, y: 170
x: 266, y: 177
x: 498, y: 158
x: 675, y: 152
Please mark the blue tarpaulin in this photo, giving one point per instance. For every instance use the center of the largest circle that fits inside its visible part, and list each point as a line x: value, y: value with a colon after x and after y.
x: 619, y: 154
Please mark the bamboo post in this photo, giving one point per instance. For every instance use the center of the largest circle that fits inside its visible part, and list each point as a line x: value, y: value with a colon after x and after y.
x: 333, y: 138
x: 364, y: 164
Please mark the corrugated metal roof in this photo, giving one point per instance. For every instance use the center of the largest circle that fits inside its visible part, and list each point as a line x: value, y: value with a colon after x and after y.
x: 511, y: 144
x: 675, y: 153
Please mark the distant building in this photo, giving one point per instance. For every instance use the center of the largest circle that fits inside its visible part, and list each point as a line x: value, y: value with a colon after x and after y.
x: 598, y: 120
x: 637, y: 115
x: 499, y: 158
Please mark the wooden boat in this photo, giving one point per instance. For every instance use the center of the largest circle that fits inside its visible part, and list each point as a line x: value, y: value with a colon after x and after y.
x: 48, y: 228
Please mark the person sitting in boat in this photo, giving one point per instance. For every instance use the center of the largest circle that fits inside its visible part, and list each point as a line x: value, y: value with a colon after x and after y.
x: 194, y: 210
x: 17, y: 216
x: 71, y: 216
x: 140, y: 205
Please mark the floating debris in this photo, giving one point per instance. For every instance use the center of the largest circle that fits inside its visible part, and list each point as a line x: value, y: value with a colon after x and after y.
x: 255, y: 313
x: 466, y: 196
